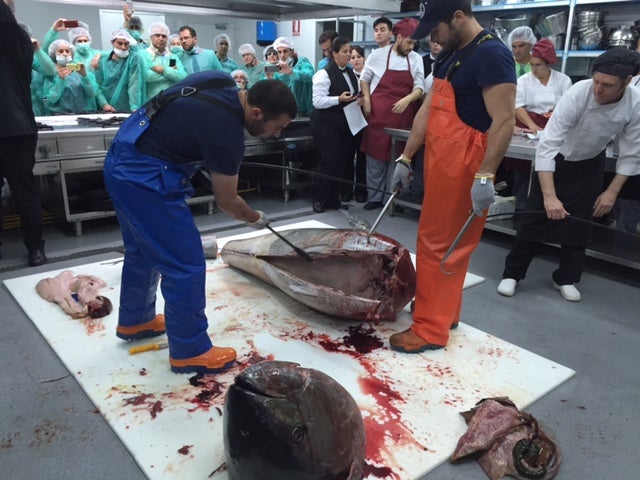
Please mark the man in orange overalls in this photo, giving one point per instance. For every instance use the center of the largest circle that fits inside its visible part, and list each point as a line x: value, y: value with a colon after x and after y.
x: 468, y: 118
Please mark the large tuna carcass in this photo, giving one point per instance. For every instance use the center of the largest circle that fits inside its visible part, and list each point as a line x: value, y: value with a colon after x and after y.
x: 352, y: 274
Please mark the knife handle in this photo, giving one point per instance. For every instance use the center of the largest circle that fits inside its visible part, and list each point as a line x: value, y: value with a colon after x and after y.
x: 148, y: 347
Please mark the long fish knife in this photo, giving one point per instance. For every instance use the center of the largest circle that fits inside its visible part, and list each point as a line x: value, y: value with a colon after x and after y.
x: 298, y: 250
x: 456, y: 241
x: 497, y: 187
x: 384, y: 210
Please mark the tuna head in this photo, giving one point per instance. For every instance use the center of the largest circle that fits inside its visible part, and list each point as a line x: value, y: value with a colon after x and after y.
x: 284, y: 421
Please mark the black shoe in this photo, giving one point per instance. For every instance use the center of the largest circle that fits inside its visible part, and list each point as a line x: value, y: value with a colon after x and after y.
x: 317, y: 207
x: 346, y: 197
x: 343, y: 206
x: 37, y: 257
x: 372, y: 205
x: 361, y: 197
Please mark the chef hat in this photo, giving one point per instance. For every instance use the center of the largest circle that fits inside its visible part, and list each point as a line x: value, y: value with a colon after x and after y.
x: 267, y: 50
x: 123, y: 35
x: 56, y: 44
x: 545, y: 50
x: 405, y: 27
x: 283, y: 42
x: 246, y: 48
x: 522, y: 34
x: 78, y: 32
x: 619, y: 62
x: 158, y: 28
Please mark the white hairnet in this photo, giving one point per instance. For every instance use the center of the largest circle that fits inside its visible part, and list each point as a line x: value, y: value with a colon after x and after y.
x: 173, y: 36
x: 283, y: 42
x: 56, y: 44
x: 522, y: 34
x: 78, y: 32
x: 246, y: 48
x: 158, y: 28
x: 240, y: 72
x: 266, y: 51
x: 123, y: 35
x: 221, y: 36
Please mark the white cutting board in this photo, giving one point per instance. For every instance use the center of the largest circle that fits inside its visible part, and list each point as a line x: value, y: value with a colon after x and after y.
x: 410, y: 403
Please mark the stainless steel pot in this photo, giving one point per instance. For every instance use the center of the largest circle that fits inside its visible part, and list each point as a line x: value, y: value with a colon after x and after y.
x: 513, y: 21
x: 558, y: 40
x: 622, y: 37
x: 552, y: 24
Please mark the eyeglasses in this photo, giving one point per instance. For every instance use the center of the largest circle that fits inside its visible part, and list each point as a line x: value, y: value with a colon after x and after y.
x: 185, y: 38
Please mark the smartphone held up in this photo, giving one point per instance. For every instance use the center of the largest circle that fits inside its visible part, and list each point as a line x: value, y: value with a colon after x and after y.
x: 71, y: 23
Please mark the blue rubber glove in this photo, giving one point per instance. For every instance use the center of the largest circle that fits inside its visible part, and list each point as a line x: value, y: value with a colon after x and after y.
x: 402, y: 174
x: 482, y: 193
x: 260, y: 223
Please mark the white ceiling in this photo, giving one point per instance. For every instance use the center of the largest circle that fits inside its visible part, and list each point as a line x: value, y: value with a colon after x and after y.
x: 288, y: 9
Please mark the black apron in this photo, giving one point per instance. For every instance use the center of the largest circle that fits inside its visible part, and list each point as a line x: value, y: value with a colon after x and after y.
x: 578, y: 185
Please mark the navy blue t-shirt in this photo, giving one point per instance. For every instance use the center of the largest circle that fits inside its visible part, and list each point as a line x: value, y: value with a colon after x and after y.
x: 190, y: 130
x: 489, y: 63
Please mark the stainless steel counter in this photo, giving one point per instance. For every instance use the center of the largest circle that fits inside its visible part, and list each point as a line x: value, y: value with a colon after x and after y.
x: 608, y: 244
x: 69, y: 149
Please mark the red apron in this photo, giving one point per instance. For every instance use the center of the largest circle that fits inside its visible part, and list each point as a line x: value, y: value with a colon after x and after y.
x: 394, y: 85
x: 453, y: 154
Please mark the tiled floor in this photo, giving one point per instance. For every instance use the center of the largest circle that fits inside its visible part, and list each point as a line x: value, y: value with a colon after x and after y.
x: 49, y: 429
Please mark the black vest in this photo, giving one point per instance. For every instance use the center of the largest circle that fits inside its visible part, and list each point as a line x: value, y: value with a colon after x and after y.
x: 335, y: 115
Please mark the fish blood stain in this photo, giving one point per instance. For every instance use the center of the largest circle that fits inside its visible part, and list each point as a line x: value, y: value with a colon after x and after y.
x: 185, y: 450
x: 138, y: 400
x: 362, y: 339
x: 156, y: 408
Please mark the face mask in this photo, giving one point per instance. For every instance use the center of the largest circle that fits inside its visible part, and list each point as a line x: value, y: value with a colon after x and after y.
x: 62, y: 60
x: 290, y: 61
x: 176, y: 49
x: 83, y: 48
x: 121, y: 53
x: 135, y: 34
x: 240, y: 85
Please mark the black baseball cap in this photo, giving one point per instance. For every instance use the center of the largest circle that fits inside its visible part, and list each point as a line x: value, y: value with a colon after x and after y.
x: 433, y: 12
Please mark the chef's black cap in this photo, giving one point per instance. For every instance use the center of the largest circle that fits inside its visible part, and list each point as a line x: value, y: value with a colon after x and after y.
x: 619, y: 62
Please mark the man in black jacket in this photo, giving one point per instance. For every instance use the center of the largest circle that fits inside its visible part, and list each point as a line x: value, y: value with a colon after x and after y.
x: 18, y: 134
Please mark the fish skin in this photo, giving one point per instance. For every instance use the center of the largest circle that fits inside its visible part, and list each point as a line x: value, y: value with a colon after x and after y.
x: 354, y: 275
x: 285, y: 421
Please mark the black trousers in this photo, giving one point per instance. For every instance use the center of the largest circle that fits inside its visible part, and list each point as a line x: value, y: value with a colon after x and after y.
x: 357, y: 170
x: 17, y: 158
x: 519, y: 258
x: 337, y: 148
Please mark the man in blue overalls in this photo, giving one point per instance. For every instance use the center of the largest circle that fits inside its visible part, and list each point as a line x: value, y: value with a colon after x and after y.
x: 199, y: 122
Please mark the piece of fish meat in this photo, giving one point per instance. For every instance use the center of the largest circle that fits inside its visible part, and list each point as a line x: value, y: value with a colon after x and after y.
x: 77, y: 295
x: 507, y: 442
x: 353, y: 274
x: 284, y: 421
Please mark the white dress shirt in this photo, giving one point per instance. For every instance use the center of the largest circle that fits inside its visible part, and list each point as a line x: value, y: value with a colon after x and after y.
x: 321, y: 84
x: 580, y: 128
x: 538, y: 98
x: 376, y: 64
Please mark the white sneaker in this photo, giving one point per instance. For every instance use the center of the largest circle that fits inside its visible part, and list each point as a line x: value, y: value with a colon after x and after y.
x: 507, y: 287
x: 569, y: 292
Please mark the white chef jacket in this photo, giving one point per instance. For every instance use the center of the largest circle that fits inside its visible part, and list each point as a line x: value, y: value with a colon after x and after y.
x: 321, y: 84
x: 580, y: 128
x: 375, y: 65
x: 538, y: 98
